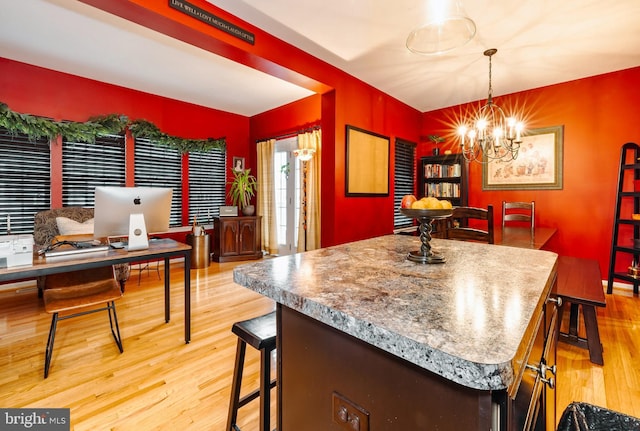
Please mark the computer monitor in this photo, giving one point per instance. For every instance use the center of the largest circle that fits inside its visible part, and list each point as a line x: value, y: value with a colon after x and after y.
x: 132, y: 212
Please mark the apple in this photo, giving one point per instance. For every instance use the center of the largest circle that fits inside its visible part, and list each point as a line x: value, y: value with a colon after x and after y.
x: 407, y: 200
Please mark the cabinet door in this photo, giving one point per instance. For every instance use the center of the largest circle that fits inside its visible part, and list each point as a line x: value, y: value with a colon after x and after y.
x: 229, y: 238
x: 247, y: 237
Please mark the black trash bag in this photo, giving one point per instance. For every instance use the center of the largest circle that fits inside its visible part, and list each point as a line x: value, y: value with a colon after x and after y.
x: 587, y: 417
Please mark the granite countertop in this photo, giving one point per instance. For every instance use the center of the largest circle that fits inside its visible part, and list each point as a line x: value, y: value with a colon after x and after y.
x: 469, y: 320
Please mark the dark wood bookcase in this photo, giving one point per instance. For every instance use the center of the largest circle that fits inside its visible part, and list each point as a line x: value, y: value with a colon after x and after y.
x: 444, y: 177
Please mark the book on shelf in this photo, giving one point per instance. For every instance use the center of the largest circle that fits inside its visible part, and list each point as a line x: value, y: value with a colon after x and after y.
x: 436, y: 170
x: 442, y: 190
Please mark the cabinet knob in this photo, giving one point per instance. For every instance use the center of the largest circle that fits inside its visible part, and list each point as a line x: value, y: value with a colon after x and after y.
x: 542, y: 369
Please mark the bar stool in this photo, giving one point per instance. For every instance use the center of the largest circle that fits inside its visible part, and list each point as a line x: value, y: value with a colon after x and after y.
x: 259, y: 333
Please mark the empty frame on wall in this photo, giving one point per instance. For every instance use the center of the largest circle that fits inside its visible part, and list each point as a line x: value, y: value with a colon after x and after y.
x: 367, y: 163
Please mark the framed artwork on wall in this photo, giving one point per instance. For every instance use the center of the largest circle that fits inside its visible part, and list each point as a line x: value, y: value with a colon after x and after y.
x: 238, y: 164
x: 538, y: 165
x: 367, y: 163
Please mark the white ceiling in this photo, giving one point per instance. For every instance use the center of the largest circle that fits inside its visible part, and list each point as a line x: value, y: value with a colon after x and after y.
x: 539, y: 42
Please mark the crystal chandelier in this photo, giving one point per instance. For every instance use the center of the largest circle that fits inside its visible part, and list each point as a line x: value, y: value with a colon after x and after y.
x: 448, y: 27
x: 493, y: 136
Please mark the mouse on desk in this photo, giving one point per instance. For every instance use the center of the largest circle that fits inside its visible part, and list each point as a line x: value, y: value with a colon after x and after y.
x: 117, y: 245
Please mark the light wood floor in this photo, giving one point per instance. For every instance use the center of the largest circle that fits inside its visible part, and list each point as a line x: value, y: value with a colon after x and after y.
x: 161, y: 383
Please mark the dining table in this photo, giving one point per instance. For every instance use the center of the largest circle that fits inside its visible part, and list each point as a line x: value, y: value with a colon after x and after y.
x: 524, y: 237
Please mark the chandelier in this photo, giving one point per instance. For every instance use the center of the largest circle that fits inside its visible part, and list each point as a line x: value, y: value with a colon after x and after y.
x: 448, y: 27
x: 493, y: 136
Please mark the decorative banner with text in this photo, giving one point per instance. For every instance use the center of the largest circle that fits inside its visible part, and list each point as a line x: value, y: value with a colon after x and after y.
x: 213, y: 20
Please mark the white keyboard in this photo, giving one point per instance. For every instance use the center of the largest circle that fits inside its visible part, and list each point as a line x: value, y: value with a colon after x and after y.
x: 76, y: 251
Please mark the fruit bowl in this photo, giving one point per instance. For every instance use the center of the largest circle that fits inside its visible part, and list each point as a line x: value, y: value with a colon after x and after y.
x: 425, y: 213
x: 426, y: 217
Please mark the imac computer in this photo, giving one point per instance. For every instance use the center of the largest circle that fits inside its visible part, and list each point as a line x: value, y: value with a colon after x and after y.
x: 132, y: 212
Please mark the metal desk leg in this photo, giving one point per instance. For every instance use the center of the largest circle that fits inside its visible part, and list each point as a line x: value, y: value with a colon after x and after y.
x: 167, y: 291
x: 187, y: 297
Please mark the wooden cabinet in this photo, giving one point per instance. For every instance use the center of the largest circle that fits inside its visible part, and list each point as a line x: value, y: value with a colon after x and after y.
x: 386, y: 392
x: 237, y: 238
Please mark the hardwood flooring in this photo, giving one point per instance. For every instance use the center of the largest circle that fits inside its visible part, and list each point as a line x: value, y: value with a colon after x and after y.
x: 161, y: 383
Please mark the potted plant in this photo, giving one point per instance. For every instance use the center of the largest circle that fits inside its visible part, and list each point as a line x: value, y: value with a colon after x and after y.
x: 243, y: 188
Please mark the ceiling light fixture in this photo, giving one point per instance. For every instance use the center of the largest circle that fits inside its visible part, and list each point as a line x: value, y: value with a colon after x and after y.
x: 304, y: 154
x: 448, y: 27
x: 493, y: 136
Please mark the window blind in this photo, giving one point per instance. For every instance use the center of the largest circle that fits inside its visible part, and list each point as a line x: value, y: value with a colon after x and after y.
x: 25, y: 182
x: 157, y: 166
x: 87, y: 165
x: 207, y: 181
x: 404, y: 177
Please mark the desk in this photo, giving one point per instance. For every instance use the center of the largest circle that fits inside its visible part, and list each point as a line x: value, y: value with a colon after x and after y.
x: 161, y: 248
x: 521, y: 237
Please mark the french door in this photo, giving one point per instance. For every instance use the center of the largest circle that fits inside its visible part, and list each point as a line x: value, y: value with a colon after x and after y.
x: 287, y: 180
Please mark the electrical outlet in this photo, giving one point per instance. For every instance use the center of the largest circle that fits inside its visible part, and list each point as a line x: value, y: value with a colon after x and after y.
x: 349, y: 415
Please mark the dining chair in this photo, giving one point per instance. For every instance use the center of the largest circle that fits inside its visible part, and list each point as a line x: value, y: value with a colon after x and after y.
x: 519, y: 212
x: 466, y: 226
x: 77, y: 293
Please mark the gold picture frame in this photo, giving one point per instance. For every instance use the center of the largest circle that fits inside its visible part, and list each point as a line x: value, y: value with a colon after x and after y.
x: 537, y: 167
x: 367, y: 163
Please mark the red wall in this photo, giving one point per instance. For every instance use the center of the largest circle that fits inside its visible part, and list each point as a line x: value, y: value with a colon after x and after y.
x: 345, y: 100
x: 43, y: 92
x: 599, y: 115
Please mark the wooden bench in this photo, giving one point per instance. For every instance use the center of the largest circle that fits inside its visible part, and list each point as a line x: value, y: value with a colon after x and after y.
x: 580, y: 285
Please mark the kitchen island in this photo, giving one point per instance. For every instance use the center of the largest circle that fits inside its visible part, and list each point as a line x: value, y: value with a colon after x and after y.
x: 370, y: 340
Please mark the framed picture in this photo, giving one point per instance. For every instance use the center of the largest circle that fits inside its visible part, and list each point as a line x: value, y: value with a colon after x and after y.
x: 538, y: 165
x: 367, y: 163
x: 238, y: 164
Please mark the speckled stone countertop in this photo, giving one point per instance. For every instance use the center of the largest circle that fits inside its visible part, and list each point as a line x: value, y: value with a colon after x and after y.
x: 469, y: 320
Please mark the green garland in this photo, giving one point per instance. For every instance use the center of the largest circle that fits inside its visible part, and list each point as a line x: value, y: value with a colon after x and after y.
x: 146, y: 129
x: 37, y: 127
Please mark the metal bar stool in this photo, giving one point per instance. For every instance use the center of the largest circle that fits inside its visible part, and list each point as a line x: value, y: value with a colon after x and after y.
x: 259, y: 333
x: 79, y: 290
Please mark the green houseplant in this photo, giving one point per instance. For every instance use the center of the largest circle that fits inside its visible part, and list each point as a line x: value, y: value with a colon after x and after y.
x: 243, y: 188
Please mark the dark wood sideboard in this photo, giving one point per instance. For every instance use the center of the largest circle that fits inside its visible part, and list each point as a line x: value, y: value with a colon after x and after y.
x: 237, y: 238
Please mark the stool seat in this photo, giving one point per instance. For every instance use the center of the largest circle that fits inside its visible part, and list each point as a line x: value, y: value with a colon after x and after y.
x: 260, y: 333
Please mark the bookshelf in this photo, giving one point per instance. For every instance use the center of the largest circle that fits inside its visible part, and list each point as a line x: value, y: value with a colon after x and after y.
x: 444, y: 177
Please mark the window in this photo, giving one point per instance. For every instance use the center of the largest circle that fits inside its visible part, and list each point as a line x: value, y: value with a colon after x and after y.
x: 157, y: 166
x: 403, y: 179
x: 25, y: 182
x: 207, y: 180
x: 87, y: 165
x: 287, y: 181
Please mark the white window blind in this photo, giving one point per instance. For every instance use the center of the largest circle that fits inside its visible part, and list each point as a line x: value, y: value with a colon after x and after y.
x: 207, y: 180
x: 157, y: 166
x: 404, y: 177
x: 87, y: 165
x: 25, y: 182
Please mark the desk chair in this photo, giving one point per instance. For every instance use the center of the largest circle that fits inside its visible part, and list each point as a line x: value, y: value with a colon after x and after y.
x: 74, y: 294
x: 470, y: 233
x: 519, y: 212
